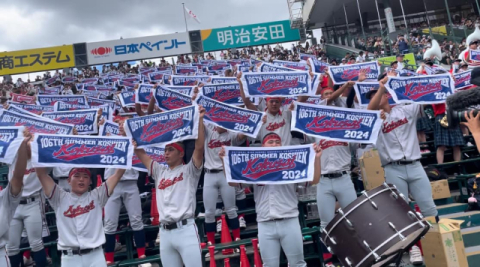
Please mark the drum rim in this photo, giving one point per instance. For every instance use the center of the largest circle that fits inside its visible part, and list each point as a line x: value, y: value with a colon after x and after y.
x: 420, y: 222
x: 344, y: 216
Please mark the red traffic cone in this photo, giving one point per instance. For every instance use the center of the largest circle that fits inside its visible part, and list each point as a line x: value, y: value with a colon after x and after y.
x: 226, y: 262
x: 211, y: 249
x: 153, y: 208
x: 99, y: 180
x: 257, y: 261
x: 226, y: 237
x: 243, y: 257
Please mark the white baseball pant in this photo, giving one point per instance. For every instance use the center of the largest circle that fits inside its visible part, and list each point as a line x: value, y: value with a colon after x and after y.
x: 181, y: 246
x: 4, y: 261
x: 28, y: 216
x: 215, y: 183
x: 126, y: 191
x: 92, y: 259
x: 328, y: 191
x: 412, y: 178
x: 285, y: 234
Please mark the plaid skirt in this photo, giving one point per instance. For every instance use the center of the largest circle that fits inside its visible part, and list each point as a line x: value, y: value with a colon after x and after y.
x: 446, y: 136
x: 423, y: 124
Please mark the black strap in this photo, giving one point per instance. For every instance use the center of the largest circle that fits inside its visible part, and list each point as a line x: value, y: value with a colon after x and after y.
x: 174, y: 225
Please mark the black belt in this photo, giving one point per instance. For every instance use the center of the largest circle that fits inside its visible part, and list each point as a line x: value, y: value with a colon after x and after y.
x: 403, y: 162
x: 78, y: 251
x: 62, y: 177
x: 213, y: 171
x: 26, y: 200
x: 335, y: 174
x: 174, y: 225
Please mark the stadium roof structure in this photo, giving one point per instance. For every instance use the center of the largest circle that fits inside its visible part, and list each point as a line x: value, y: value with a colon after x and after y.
x: 317, y: 13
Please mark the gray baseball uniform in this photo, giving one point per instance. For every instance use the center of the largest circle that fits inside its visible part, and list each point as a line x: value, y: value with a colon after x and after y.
x: 8, y: 205
x: 126, y: 191
x: 215, y: 181
x: 176, y: 204
x: 279, y: 124
x: 399, y: 152
x: 79, y: 223
x: 29, y: 215
x: 278, y: 225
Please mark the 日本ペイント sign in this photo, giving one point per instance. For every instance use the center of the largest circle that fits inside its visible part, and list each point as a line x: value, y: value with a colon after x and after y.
x: 249, y: 35
x: 138, y: 48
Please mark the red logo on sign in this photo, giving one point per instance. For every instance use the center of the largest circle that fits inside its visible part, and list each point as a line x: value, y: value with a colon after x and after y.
x: 256, y: 168
x: 416, y: 91
x: 224, y: 95
x: 100, y: 51
x: 156, y: 129
x: 269, y: 86
x: 69, y: 153
x: 216, y: 114
x: 320, y: 124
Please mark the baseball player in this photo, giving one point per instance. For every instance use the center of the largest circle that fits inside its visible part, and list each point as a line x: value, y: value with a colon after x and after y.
x: 126, y: 192
x: 400, y: 152
x: 277, y: 214
x: 176, y: 185
x: 278, y: 117
x: 29, y: 215
x: 79, y: 215
x: 215, y: 182
x: 10, y: 199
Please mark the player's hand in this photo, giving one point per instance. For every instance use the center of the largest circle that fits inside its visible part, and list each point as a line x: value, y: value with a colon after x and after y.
x: 195, y: 90
x: 5, y: 106
x: 264, y: 119
x: 473, y: 122
x: 318, y: 150
x: 134, y: 143
x: 292, y: 106
x: 383, y: 116
x: 350, y: 83
x: 194, y: 96
x: 102, y: 121
x: 201, y: 110
x: 75, y: 132
x: 362, y: 76
x: 239, y: 76
x: 221, y: 153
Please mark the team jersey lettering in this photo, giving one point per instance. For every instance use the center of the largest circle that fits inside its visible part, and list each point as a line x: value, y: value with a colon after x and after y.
x: 217, y: 143
x: 324, y: 144
x: 272, y: 126
x: 390, y: 126
x: 79, y: 210
x: 28, y: 171
x: 165, y: 183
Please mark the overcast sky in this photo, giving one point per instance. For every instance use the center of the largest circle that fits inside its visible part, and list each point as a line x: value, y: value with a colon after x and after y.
x: 29, y: 24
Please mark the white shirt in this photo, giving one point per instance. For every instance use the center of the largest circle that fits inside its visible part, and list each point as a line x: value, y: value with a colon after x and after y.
x: 79, y: 218
x: 360, y: 59
x: 398, y: 138
x: 129, y: 175
x: 176, y: 189
x: 213, y: 143
x: 279, y: 124
x: 400, y: 65
x: 31, y: 184
x: 8, y: 205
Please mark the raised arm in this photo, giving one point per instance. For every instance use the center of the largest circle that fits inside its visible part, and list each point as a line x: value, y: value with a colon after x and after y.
x: 143, y: 157
x: 151, y: 106
x: 317, y: 168
x: 47, y: 182
x: 16, y: 183
x: 375, y: 101
x: 113, y: 180
x: 245, y: 99
x: 138, y: 109
x: 340, y: 91
x: 197, y: 156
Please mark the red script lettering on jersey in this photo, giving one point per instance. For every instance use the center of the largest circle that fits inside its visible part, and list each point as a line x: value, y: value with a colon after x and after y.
x: 156, y: 129
x: 68, y: 152
x: 165, y: 183
x: 272, y: 126
x: 320, y: 124
x: 217, y: 143
x: 390, y: 126
x: 79, y: 210
x: 324, y: 144
x: 256, y: 168
x: 268, y: 86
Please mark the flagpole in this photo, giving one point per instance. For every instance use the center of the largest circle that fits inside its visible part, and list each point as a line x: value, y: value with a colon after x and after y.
x: 185, y: 17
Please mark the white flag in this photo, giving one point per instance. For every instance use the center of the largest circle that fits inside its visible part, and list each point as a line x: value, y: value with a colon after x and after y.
x: 189, y: 12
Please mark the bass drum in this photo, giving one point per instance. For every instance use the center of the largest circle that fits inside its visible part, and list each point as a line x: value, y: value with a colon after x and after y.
x: 374, y: 228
